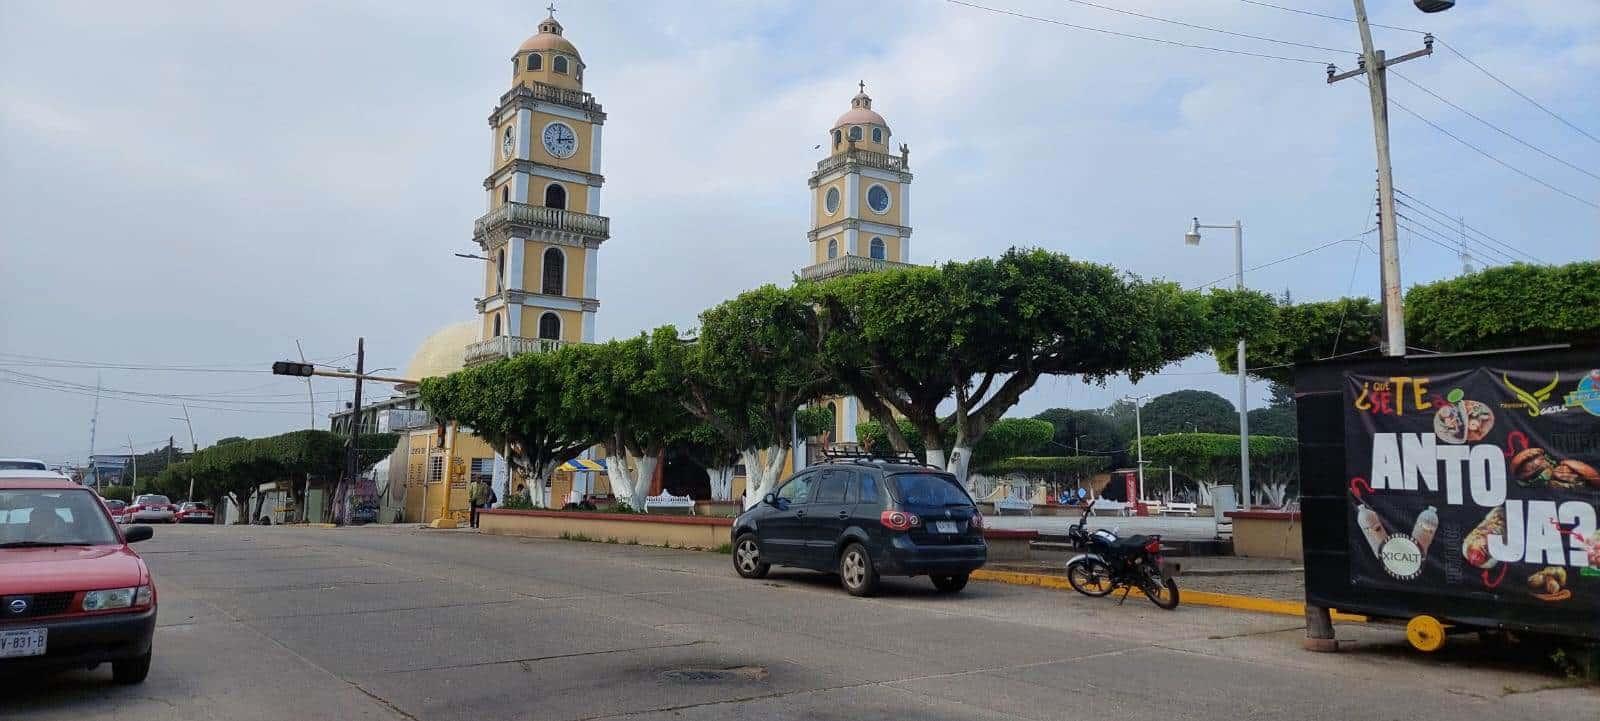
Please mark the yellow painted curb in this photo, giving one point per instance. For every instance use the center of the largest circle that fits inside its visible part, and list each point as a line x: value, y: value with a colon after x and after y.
x: 319, y: 525
x: 443, y: 523
x: 1198, y: 598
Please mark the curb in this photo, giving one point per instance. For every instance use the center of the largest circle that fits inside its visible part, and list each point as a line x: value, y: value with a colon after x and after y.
x: 1198, y: 598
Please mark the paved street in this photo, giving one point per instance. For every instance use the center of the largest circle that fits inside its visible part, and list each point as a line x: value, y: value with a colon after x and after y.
x: 400, y: 623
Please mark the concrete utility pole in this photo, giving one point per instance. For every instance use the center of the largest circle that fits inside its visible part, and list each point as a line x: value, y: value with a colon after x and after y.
x: 352, y: 464
x: 1138, y: 435
x: 193, y: 446
x: 1374, y: 66
x: 133, y: 460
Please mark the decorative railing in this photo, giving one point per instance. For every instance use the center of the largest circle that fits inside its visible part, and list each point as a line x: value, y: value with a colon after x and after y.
x: 506, y: 346
x: 868, y: 158
x: 524, y: 216
x: 848, y: 265
x: 550, y: 93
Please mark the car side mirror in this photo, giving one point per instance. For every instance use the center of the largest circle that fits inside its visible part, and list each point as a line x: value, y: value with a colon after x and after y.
x: 135, y: 534
x: 770, y: 499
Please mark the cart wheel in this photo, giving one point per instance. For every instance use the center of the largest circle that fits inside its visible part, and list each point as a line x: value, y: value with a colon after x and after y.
x: 1425, y: 633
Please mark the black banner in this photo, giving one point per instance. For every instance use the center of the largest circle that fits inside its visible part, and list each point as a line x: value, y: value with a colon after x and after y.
x: 1477, y: 482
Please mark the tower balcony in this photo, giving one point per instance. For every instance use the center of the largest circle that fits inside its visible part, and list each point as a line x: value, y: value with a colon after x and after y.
x: 506, y: 346
x: 520, y: 220
x: 861, y: 158
x: 848, y: 265
x: 527, y: 92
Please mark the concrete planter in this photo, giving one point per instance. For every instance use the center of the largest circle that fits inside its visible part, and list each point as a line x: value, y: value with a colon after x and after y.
x: 1267, y: 534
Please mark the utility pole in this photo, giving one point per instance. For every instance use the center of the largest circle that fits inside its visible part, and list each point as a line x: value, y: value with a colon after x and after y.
x: 1374, y: 66
x: 170, y: 441
x: 352, y: 465
x: 310, y: 395
x: 93, y: 421
x: 1138, y: 435
x: 1466, y: 255
x: 194, y: 447
x: 133, y: 460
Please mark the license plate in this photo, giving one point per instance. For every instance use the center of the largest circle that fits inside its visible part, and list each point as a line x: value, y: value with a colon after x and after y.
x: 945, y: 526
x: 23, y: 642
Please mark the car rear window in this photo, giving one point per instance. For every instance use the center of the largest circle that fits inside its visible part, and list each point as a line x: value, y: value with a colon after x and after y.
x: 148, y: 500
x: 6, y: 465
x: 929, y: 489
x: 31, y: 517
x: 832, y: 489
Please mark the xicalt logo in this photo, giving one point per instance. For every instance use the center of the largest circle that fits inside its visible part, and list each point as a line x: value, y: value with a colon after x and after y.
x: 1587, y: 396
x: 1532, y: 402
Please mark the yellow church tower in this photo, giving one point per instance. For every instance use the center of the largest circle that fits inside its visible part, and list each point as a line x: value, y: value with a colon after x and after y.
x: 860, y: 197
x: 860, y: 216
x: 543, y: 229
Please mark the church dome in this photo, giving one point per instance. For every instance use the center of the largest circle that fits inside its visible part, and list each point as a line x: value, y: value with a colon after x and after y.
x: 443, y: 352
x: 861, y: 112
x: 549, y: 38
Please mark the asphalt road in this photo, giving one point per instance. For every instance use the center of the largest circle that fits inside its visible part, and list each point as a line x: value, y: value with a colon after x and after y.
x: 400, y: 623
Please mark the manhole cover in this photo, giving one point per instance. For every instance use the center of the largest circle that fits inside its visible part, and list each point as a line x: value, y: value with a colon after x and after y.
x: 715, y: 675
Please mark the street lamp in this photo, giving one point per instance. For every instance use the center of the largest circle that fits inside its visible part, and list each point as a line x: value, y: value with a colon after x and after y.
x: 1193, y: 238
x: 1138, y: 436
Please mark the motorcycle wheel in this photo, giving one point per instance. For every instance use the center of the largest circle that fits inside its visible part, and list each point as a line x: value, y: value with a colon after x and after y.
x: 1163, y: 592
x: 1089, y: 577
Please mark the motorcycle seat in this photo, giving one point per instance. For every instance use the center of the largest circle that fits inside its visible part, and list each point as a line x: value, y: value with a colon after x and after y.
x: 1129, y: 543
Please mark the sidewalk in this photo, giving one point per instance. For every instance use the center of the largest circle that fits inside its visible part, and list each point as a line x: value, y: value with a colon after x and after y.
x: 1253, y: 577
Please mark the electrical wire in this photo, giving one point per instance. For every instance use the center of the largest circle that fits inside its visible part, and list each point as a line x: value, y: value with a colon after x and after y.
x: 1486, y: 153
x: 1181, y: 23
x: 1518, y: 93
x: 1415, y: 233
x: 1357, y: 240
x: 1444, y: 231
x: 195, y: 406
x: 1131, y: 36
x: 164, y: 396
x: 1492, y: 126
x: 1330, y: 17
x: 1463, y: 224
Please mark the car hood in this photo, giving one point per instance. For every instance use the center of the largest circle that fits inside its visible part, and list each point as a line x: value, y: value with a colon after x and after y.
x: 69, y: 568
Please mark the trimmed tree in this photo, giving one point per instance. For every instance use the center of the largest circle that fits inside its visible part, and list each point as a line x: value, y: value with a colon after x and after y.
x: 1189, y: 411
x: 630, y: 403
x: 1212, y: 459
x: 1098, y: 432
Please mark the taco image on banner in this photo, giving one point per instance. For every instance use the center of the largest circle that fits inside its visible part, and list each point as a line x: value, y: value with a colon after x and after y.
x: 1475, y: 547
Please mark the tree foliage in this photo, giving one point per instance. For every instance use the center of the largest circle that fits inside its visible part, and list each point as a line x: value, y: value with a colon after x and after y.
x: 1009, y: 437
x: 237, y: 468
x: 116, y: 493
x: 1274, y: 421
x: 1083, y: 430
x: 1073, y: 466
x: 1507, y: 306
x: 1212, y: 459
x: 1189, y: 411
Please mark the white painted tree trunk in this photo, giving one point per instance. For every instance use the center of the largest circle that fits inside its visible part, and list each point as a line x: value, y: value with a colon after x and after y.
x: 621, y: 479
x: 960, y: 459
x: 721, y: 480
x: 760, y: 478
x: 1203, y: 492
x: 936, y: 457
x: 537, y: 489
x: 1276, y: 493
x: 645, y: 471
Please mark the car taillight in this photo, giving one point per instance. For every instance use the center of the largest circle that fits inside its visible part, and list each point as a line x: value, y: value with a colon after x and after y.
x: 977, y: 520
x: 899, y: 520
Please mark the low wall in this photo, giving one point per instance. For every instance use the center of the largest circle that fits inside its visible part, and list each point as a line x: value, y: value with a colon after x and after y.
x: 1267, y: 534
x: 651, y: 530
x: 720, y: 509
x: 705, y: 532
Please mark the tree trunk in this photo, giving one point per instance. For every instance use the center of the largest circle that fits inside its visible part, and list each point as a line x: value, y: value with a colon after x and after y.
x: 960, y: 460
x: 645, y: 471
x: 622, y: 484
x: 760, y: 478
x: 721, y: 480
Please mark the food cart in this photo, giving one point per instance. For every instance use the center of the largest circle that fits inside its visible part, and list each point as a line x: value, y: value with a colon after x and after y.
x: 1454, y: 492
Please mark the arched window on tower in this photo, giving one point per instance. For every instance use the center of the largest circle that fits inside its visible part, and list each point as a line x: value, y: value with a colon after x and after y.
x: 877, y: 249
x: 838, y: 137
x: 535, y: 62
x: 555, y: 272
x: 499, y: 272
x: 505, y: 195
x: 833, y: 248
x: 855, y: 132
x: 515, y: 66
x: 496, y: 325
x: 877, y: 135
x: 555, y: 196
x: 550, y: 326
x: 559, y: 64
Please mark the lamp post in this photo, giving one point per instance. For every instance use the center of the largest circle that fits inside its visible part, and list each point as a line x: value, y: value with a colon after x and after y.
x: 1193, y: 238
x: 1138, y: 436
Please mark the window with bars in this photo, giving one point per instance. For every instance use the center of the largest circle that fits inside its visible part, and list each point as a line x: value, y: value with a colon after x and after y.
x: 482, y: 470
x: 435, y: 469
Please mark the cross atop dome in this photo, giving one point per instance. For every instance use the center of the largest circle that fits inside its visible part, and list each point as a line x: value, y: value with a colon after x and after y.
x: 549, y: 25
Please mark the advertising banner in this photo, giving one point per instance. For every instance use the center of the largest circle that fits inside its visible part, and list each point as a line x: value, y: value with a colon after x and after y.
x: 1476, y: 482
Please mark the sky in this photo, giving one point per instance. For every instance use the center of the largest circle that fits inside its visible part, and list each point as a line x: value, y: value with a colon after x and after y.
x: 187, y: 189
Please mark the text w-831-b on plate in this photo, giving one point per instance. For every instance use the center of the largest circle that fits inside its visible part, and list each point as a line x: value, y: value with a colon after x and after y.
x: 23, y: 642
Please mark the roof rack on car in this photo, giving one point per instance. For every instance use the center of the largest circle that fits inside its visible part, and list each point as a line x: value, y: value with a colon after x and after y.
x: 854, y: 453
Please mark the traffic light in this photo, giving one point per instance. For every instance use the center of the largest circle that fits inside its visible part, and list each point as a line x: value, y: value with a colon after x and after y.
x: 291, y: 368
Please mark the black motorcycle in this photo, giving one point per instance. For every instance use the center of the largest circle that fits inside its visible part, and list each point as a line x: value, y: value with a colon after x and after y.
x: 1106, y: 562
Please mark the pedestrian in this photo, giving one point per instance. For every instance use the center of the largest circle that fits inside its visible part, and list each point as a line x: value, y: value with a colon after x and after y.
x: 477, y: 494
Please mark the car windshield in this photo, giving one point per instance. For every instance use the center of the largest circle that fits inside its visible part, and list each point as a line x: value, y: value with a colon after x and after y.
x: 40, y: 517
x: 14, y: 465
x: 929, y: 489
x: 152, y: 500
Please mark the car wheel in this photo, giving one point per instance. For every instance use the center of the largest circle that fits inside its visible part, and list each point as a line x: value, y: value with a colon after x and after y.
x: 747, y: 558
x: 856, y: 571
x: 131, y: 671
x: 950, y: 584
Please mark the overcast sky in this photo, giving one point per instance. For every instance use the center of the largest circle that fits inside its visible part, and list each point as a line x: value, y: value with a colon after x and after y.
x: 201, y: 183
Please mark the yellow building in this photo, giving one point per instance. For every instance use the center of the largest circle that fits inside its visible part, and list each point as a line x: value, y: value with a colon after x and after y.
x: 860, y: 215
x: 543, y: 229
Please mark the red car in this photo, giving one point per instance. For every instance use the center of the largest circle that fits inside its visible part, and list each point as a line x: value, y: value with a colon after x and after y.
x: 72, y: 593
x: 195, y: 512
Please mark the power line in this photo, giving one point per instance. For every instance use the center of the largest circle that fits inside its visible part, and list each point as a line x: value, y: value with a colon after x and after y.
x: 1330, y: 17
x: 1480, y: 233
x: 1487, y: 252
x: 166, y: 396
x: 1425, y: 236
x: 1486, y: 153
x: 1519, y: 93
x: 1448, y: 227
x: 1181, y: 23
x: 1492, y: 126
x: 1131, y: 36
x: 58, y: 389
x: 1288, y: 258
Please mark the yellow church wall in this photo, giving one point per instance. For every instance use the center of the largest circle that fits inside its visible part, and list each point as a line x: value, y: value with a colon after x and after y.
x: 533, y: 268
x: 821, y: 247
x: 571, y: 323
x: 580, y: 158
x: 546, y: 73
x: 822, y: 218
x: 577, y: 193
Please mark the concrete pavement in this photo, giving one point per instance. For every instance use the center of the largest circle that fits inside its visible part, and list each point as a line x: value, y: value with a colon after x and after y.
x: 399, y: 623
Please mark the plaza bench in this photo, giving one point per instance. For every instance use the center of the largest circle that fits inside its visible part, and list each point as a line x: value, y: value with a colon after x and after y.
x: 1102, y: 505
x: 1187, y: 509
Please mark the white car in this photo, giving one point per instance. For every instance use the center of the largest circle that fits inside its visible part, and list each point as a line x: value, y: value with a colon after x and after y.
x: 21, y: 464
x: 151, y: 508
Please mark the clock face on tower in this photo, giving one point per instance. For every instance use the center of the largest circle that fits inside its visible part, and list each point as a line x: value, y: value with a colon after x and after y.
x: 507, y: 144
x: 559, y: 140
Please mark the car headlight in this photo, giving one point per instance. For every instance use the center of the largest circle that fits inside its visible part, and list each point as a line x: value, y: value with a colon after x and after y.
x: 114, y: 598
